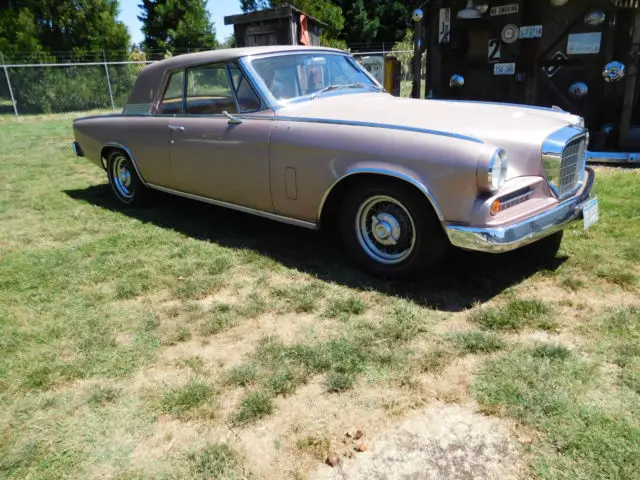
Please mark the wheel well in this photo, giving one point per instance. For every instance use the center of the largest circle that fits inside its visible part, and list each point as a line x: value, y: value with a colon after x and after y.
x: 336, y: 195
x: 105, y: 152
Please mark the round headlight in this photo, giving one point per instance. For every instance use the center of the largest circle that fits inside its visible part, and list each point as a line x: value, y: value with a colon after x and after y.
x: 498, y: 169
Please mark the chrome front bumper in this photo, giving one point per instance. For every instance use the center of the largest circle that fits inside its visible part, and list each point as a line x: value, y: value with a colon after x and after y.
x: 503, y: 239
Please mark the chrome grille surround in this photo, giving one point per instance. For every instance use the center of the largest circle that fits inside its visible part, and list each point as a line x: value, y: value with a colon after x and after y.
x: 563, y: 158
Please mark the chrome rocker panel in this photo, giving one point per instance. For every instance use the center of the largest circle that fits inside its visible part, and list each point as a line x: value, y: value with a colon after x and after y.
x: 503, y: 239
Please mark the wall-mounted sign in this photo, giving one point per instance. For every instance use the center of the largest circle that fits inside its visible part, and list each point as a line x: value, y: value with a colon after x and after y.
x: 510, y: 33
x: 444, y: 31
x: 504, y: 69
x: 533, y: 31
x: 493, y: 54
x: 584, y: 43
x: 557, y: 57
x: 505, y: 10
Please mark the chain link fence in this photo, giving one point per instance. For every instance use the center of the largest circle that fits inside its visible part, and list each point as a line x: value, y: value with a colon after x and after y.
x: 29, y: 89
x: 49, y: 88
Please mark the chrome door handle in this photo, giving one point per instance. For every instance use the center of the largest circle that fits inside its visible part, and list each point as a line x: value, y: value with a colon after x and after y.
x: 176, y: 128
x: 232, y: 120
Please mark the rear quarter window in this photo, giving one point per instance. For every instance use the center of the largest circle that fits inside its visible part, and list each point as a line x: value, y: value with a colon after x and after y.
x: 172, y: 99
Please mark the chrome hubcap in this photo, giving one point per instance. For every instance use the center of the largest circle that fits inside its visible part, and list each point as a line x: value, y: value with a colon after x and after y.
x: 121, y: 174
x: 385, y: 229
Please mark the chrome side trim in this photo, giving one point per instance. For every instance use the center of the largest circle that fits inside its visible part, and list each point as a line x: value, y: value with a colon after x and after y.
x: 218, y: 203
x: 112, y: 115
x: 614, y: 157
x: 388, y: 173
x: 128, y: 152
x: 355, y: 123
x: 503, y: 239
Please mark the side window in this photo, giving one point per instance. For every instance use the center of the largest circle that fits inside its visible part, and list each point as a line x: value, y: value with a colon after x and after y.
x: 172, y: 99
x: 248, y: 101
x: 209, y: 91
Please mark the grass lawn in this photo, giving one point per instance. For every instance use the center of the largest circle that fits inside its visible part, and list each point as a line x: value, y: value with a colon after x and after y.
x: 188, y: 341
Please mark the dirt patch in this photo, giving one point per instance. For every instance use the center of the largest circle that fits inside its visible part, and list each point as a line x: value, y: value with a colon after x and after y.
x: 584, y: 300
x: 230, y: 347
x: 445, y: 441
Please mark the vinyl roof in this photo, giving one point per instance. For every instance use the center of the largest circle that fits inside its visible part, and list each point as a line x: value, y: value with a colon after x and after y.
x: 149, y: 78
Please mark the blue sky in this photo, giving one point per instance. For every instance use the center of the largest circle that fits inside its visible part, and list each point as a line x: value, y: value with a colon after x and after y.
x: 218, y: 9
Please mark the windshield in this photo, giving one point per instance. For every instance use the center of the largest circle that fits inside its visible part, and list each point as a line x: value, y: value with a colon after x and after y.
x: 299, y: 75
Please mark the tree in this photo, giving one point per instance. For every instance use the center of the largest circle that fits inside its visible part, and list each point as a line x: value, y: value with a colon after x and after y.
x: 61, y: 26
x: 176, y: 25
x: 374, y: 21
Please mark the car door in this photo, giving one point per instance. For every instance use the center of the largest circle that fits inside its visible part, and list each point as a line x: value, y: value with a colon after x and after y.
x: 148, y: 137
x: 220, y: 144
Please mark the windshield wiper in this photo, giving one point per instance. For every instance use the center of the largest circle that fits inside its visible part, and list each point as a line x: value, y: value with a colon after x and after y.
x: 328, y: 88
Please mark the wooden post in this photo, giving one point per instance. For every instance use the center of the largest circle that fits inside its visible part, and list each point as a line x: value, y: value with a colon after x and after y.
x: 417, y: 60
x: 630, y: 85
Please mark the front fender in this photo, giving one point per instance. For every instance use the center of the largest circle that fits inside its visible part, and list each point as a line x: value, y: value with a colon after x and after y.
x: 384, y: 169
x: 314, y: 158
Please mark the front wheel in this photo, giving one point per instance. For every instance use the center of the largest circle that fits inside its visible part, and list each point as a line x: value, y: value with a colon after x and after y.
x: 124, y: 180
x: 391, y: 230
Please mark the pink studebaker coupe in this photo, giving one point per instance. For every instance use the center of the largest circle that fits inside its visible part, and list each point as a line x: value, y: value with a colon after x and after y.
x: 306, y: 136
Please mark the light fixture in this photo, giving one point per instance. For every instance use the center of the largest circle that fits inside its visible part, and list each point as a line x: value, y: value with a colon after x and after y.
x: 559, y: 3
x: 417, y: 15
x: 595, y: 17
x: 470, y: 12
x: 614, y: 72
x: 579, y: 89
x: 456, y: 81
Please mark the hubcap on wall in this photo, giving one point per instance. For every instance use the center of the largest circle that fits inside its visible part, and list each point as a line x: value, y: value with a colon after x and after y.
x: 385, y: 229
x: 122, y: 178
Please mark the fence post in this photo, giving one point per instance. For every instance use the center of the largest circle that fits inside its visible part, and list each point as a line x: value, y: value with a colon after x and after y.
x: 106, y: 70
x: 6, y: 74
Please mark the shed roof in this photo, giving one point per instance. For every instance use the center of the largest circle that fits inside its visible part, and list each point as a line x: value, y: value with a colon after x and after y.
x: 268, y: 14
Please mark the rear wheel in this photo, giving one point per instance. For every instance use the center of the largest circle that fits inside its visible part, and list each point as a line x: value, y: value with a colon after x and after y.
x: 391, y: 230
x: 124, y: 180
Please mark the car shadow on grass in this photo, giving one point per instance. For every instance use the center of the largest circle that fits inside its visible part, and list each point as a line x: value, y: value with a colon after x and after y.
x: 463, y: 280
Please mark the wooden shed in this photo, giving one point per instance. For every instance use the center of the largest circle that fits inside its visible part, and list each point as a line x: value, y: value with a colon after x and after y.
x: 542, y: 52
x: 285, y: 25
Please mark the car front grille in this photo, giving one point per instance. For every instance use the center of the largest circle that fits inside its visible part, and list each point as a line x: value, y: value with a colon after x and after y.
x: 571, y: 166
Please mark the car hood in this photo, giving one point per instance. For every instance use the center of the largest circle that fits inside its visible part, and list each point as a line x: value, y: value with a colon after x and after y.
x: 490, y: 122
x: 519, y: 129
